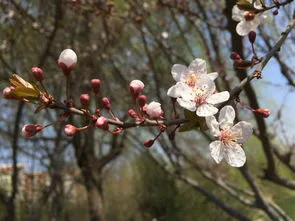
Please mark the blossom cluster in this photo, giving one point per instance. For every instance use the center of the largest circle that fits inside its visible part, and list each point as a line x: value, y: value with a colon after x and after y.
x: 195, y: 91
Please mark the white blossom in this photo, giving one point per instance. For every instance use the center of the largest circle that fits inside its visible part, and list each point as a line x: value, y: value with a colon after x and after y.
x: 201, y: 98
x: 248, y: 21
x: 68, y: 57
x: 189, y: 75
x: 230, y: 137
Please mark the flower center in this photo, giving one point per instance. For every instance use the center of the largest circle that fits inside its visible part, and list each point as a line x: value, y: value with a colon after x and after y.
x: 201, y: 94
x: 191, y: 79
x: 249, y: 16
x: 226, y: 136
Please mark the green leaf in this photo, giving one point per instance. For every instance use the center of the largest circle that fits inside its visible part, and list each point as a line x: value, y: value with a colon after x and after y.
x: 246, y: 6
x: 24, y: 92
x: 203, y: 124
x: 190, y: 116
x: 190, y: 125
x: 193, y: 122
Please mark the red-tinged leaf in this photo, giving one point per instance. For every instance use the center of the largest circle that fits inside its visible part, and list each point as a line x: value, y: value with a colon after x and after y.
x: 17, y: 81
x: 27, y: 93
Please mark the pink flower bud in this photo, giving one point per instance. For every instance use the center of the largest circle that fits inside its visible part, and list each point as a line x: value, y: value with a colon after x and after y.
x: 135, y: 87
x: 95, y: 85
x: 85, y: 100
x: 30, y: 130
x: 37, y: 73
x: 148, y: 143
x: 264, y: 112
x: 235, y: 56
x: 142, y: 100
x: 275, y: 12
x: 252, y: 36
x: 154, y: 110
x: 67, y: 60
x: 102, y: 123
x: 106, y: 103
x: 7, y: 93
x: 70, y: 130
x: 132, y: 113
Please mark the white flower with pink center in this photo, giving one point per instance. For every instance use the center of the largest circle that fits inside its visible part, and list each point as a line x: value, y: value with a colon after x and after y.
x: 230, y: 137
x: 189, y: 75
x: 248, y: 20
x: 201, y: 98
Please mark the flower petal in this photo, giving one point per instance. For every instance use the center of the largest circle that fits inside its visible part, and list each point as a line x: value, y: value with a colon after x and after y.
x: 213, y: 75
x: 258, y: 5
x: 216, y: 150
x: 213, y: 125
x: 178, y: 90
x: 205, y: 83
x: 234, y: 155
x: 218, y: 97
x: 226, y: 117
x: 173, y: 91
x: 243, y: 130
x: 198, y: 65
x: 206, y: 110
x: 177, y: 70
x: 237, y: 14
x: 187, y: 104
x: 266, y: 17
x: 244, y: 27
